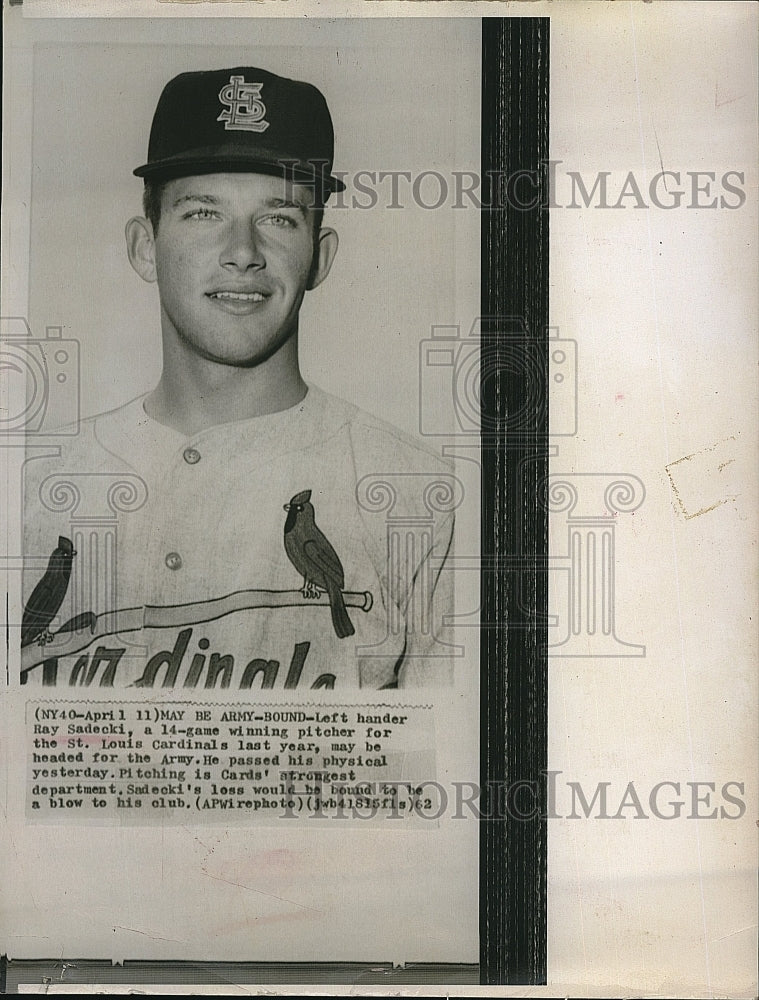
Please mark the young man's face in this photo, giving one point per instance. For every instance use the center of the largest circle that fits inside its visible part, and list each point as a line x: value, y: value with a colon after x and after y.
x: 233, y: 256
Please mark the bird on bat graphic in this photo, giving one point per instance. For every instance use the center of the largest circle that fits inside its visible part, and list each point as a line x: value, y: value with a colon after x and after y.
x: 47, y: 597
x: 314, y: 558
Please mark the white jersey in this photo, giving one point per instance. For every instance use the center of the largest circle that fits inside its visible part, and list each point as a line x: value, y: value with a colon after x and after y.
x: 182, y: 576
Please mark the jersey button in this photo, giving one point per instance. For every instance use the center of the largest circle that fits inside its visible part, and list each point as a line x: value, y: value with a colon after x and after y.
x: 173, y: 560
x: 191, y: 456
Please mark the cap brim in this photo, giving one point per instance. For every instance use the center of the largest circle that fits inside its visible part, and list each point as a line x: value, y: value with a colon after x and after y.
x: 199, y: 162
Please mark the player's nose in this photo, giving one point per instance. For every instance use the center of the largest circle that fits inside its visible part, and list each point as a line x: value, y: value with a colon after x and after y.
x: 241, y: 248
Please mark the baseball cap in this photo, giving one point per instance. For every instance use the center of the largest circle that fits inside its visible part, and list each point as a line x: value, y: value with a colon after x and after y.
x: 242, y: 119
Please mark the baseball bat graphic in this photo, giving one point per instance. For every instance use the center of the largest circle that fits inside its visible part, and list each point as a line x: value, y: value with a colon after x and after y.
x: 176, y: 616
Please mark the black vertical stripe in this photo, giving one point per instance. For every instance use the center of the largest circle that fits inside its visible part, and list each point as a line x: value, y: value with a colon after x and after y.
x: 514, y: 381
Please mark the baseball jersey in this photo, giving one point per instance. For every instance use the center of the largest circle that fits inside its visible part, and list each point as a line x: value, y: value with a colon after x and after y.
x: 194, y: 567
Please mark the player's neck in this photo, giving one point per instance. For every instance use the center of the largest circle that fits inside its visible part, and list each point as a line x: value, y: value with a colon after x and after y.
x: 194, y: 394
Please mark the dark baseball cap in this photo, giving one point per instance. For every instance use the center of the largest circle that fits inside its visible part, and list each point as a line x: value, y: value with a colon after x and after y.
x: 242, y: 119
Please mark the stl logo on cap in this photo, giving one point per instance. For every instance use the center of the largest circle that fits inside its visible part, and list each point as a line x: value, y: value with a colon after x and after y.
x: 245, y: 110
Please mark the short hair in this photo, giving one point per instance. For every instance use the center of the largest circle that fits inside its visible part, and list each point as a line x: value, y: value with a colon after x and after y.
x: 151, y: 201
x: 152, y: 196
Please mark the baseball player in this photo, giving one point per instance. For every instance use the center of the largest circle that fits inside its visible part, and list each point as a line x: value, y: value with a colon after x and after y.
x: 237, y: 527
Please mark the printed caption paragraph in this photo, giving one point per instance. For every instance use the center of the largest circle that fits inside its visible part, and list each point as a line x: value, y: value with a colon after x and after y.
x: 182, y: 762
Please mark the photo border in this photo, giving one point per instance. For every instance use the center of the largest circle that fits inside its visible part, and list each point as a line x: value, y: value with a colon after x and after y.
x: 514, y: 547
x: 513, y: 661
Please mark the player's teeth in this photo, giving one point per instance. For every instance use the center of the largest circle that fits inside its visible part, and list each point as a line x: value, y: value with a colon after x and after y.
x: 243, y: 296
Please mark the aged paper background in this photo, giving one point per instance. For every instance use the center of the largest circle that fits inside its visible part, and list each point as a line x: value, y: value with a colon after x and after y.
x: 275, y: 894
x: 663, y: 306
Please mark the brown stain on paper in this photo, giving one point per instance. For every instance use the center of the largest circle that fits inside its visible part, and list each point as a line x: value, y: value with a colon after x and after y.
x: 689, y: 458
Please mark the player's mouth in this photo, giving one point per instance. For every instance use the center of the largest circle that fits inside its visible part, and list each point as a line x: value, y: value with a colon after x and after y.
x: 238, y: 303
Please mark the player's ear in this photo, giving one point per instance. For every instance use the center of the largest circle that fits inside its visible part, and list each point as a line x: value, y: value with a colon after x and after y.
x: 141, y: 247
x: 325, y: 248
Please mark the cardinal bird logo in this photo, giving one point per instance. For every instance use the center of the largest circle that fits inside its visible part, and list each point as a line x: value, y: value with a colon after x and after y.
x: 314, y: 558
x: 47, y: 597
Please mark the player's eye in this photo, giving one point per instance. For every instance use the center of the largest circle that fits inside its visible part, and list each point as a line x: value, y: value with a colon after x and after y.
x: 200, y: 213
x: 279, y: 221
